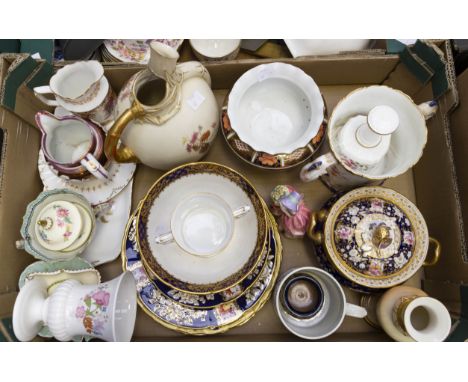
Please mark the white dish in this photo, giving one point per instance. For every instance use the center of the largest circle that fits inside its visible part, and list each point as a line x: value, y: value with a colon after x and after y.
x: 275, y: 108
x: 305, y: 47
x: 136, y: 51
x: 110, y: 227
x: 97, y: 191
x: 195, y: 269
x: 215, y: 48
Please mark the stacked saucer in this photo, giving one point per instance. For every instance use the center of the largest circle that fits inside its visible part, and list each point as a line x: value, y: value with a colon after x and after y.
x: 132, y: 51
x: 203, y: 249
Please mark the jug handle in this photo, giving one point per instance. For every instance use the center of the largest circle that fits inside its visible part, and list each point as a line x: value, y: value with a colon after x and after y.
x: 436, y: 255
x: 121, y: 153
x: 191, y: 69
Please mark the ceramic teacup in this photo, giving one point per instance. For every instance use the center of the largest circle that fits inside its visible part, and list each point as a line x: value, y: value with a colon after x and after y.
x: 81, y: 88
x: 72, y: 145
x: 316, y: 309
x: 202, y: 224
x: 423, y: 318
x: 106, y: 311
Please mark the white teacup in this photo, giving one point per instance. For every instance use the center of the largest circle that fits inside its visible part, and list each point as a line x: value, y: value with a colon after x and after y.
x: 331, y: 312
x: 202, y: 224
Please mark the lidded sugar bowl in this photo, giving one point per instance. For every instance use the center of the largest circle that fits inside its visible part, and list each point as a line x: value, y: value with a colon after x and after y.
x: 372, y: 237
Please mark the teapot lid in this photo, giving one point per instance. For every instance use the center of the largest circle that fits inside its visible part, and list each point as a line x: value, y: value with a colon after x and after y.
x: 58, y: 225
x: 376, y: 237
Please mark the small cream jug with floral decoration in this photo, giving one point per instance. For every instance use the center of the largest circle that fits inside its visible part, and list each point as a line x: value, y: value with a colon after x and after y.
x: 166, y: 114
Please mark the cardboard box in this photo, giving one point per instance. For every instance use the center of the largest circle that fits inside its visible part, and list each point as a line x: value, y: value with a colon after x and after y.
x: 432, y: 184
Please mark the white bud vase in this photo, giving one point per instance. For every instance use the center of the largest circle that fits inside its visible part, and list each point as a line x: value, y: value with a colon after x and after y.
x: 106, y: 311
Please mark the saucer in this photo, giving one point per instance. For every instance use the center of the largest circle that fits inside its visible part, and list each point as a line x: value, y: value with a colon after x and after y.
x: 276, y: 108
x: 134, y: 51
x: 203, y: 321
x: 111, y: 219
x: 195, y: 300
x: 193, y: 274
x: 97, y: 191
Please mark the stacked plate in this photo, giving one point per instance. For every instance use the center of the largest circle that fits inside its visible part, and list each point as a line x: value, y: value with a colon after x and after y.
x: 132, y: 51
x: 203, y: 248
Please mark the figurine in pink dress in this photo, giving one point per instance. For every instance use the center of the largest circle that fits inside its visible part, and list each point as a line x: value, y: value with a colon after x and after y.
x: 293, y: 215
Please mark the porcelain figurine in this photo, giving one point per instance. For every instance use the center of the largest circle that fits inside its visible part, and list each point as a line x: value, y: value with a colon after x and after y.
x: 166, y: 114
x: 374, y: 133
x: 106, y: 311
x: 72, y: 145
x: 81, y: 88
x: 293, y: 215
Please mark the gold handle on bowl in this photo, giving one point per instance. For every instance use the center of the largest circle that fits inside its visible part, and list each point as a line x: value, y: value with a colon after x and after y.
x: 112, y: 149
x: 436, y: 255
x: 315, y: 217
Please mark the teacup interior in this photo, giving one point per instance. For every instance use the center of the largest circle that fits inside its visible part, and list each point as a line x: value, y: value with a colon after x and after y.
x: 330, y: 316
x: 407, y: 142
x: 69, y: 141
x: 202, y: 224
x: 74, y: 83
x: 276, y: 112
x: 215, y: 48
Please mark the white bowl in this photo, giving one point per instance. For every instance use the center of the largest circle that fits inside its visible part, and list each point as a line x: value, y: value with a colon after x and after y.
x: 275, y: 108
x: 215, y: 49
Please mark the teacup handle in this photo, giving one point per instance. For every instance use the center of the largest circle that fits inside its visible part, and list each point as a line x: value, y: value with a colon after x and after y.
x: 94, y: 167
x: 240, y: 212
x: 165, y: 238
x: 317, y: 168
x: 40, y: 93
x: 355, y: 311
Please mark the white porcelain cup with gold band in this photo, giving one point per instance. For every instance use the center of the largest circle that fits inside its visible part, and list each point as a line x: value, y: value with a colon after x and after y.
x: 202, y: 224
x: 328, y: 317
x: 368, y: 135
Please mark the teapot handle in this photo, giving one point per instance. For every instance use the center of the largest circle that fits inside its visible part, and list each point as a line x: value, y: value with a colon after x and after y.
x: 112, y: 149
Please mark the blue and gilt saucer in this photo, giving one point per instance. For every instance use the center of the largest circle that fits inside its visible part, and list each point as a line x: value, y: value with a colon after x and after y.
x: 171, y: 313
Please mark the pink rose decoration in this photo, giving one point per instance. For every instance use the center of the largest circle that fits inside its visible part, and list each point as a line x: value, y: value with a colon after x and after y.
x: 408, y: 237
x: 101, y: 297
x: 62, y: 212
x: 80, y: 312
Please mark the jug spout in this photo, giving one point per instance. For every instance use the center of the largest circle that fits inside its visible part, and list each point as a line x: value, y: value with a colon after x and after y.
x: 163, y: 59
x: 46, y: 122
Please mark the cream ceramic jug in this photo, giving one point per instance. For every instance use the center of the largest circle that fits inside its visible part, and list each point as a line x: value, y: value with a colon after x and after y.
x: 167, y: 114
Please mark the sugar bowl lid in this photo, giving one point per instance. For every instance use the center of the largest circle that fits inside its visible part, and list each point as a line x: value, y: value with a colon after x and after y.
x: 376, y: 237
x: 58, y: 225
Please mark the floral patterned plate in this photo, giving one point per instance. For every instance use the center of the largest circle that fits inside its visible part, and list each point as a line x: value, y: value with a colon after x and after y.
x: 134, y: 51
x: 268, y: 161
x: 175, y: 316
x: 207, y: 300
